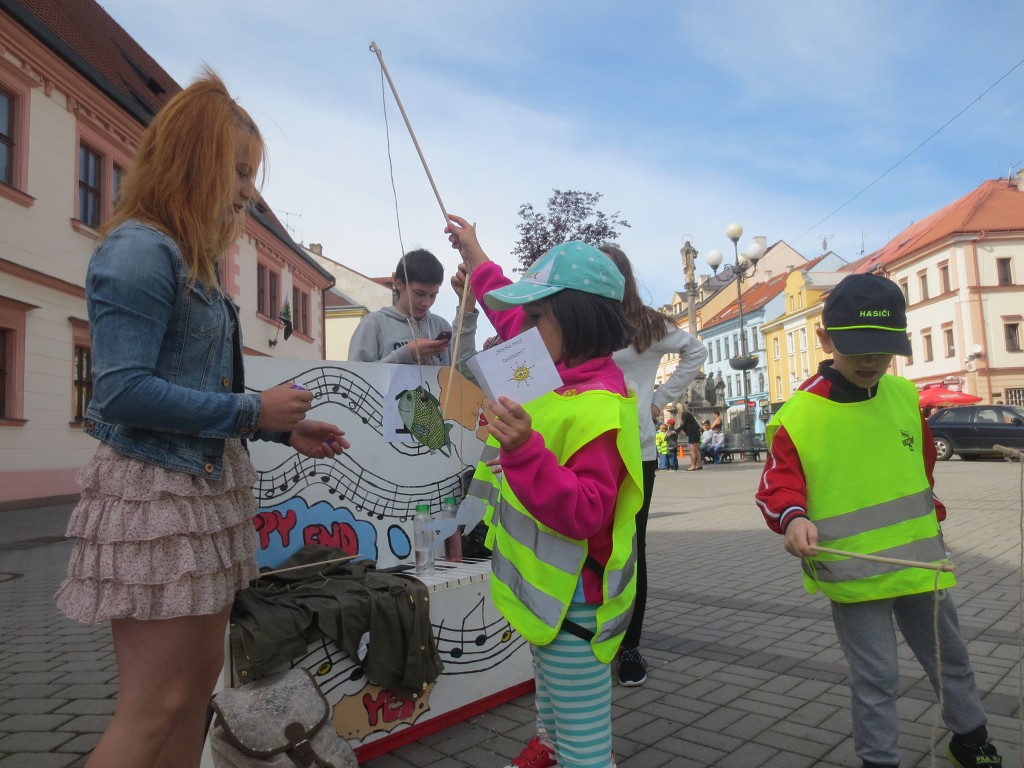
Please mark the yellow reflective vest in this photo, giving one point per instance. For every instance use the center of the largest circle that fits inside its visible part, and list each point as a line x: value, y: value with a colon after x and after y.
x: 867, y: 492
x: 534, y: 569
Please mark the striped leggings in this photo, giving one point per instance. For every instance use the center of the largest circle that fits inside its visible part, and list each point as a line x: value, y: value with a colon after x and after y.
x: 574, y: 696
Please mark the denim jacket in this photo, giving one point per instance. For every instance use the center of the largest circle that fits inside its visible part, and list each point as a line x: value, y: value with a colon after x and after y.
x: 163, y: 357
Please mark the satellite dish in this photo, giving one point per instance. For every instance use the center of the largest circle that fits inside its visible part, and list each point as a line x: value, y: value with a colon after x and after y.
x: 976, y: 349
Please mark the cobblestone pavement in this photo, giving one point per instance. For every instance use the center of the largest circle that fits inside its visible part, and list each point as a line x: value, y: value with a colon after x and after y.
x: 745, y: 669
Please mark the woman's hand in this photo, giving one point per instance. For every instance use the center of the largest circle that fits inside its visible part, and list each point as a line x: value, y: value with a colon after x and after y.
x: 511, y: 425
x: 462, y: 236
x: 284, y: 407
x: 318, y: 439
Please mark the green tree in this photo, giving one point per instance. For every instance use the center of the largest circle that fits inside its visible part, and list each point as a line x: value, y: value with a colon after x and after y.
x: 570, y: 216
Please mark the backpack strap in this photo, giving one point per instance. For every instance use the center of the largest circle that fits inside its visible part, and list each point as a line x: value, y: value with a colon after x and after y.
x: 300, y: 751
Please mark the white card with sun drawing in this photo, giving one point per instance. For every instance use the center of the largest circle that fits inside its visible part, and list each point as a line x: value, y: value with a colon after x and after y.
x: 520, y: 368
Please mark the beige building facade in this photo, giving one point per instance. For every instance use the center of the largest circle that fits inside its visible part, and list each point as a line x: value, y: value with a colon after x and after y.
x: 68, y: 140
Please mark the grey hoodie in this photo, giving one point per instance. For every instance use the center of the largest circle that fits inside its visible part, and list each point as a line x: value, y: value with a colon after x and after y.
x: 383, y: 336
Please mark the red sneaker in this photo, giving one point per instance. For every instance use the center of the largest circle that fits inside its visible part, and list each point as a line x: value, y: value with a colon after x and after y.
x: 536, y: 754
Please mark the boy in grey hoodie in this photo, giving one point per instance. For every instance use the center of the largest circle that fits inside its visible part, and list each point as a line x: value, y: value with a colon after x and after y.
x: 408, y: 332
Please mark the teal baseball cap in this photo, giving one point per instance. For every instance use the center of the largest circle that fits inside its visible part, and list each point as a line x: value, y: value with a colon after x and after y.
x: 576, y: 265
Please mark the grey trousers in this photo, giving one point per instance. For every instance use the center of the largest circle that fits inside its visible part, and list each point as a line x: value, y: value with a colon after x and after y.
x: 868, y: 639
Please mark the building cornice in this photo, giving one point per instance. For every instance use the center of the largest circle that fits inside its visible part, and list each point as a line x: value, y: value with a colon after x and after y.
x: 41, y: 278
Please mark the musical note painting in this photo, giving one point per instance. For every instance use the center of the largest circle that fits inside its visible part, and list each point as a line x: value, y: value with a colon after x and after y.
x: 414, y: 430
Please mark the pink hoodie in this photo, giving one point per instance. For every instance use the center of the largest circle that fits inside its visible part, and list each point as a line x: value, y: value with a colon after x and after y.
x: 578, y: 499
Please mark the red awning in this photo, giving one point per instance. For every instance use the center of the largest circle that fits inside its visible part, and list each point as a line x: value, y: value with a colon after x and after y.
x: 941, y: 396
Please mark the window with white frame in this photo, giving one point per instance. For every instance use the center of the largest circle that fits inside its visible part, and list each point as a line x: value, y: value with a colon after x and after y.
x: 1011, y: 334
x: 949, y: 347
x: 1004, y: 271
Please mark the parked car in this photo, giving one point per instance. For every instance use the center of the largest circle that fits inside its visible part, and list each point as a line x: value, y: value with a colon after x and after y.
x: 971, y: 430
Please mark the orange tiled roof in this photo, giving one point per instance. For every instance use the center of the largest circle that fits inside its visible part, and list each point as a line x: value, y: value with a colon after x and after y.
x: 753, y: 300
x: 996, y: 206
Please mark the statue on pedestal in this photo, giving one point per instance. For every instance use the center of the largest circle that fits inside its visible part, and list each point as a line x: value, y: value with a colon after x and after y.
x: 711, y: 390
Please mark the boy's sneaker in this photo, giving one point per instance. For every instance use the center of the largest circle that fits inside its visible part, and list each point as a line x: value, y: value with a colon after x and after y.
x: 632, y: 667
x: 536, y: 754
x: 971, y: 755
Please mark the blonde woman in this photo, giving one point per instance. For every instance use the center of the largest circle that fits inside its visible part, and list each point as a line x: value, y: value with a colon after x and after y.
x: 164, y: 529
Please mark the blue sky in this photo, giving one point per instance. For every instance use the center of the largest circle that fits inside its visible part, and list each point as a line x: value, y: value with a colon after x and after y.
x: 684, y: 115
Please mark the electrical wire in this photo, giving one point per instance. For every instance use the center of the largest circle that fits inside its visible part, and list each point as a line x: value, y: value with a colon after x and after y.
x: 911, y: 152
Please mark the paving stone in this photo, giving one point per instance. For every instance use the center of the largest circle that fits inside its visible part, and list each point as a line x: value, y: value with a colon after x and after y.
x: 33, y: 741
x: 31, y: 706
x: 748, y: 756
x: 745, y: 668
x: 38, y: 760
x: 26, y: 723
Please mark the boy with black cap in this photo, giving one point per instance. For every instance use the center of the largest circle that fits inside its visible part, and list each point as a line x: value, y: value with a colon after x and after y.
x: 850, y: 465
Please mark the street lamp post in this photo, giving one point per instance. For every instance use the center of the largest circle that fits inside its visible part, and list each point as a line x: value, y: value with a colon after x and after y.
x: 745, y: 264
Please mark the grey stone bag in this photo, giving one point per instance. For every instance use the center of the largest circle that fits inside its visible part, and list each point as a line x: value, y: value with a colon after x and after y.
x: 282, y: 720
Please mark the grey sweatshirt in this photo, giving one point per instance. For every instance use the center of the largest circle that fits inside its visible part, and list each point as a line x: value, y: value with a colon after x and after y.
x: 383, y: 336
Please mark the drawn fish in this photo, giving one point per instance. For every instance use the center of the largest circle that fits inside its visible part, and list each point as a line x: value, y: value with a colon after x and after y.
x: 421, y: 415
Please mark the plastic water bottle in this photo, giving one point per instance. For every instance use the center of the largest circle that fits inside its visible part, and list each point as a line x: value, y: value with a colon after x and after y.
x: 423, y: 541
x: 453, y: 544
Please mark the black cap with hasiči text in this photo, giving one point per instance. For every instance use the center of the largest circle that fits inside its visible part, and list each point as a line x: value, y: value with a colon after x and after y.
x: 867, y: 315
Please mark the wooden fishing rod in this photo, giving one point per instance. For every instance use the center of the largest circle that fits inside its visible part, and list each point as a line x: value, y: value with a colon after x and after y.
x: 890, y: 560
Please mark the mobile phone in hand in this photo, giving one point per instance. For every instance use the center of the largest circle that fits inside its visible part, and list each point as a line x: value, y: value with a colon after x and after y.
x: 443, y: 336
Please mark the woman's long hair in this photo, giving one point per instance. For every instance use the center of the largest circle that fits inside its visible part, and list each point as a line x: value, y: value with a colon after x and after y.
x: 650, y: 324
x: 183, y: 177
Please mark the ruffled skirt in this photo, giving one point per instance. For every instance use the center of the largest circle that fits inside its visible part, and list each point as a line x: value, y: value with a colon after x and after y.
x: 153, y: 543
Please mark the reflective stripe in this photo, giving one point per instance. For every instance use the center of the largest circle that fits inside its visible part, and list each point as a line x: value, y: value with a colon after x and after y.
x: 542, y: 605
x: 616, y: 626
x: 850, y: 569
x: 556, y: 551
x: 875, y: 517
x: 619, y: 579
x: 482, y: 489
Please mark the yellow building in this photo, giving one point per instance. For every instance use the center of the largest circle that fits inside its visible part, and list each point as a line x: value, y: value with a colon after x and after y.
x: 791, y: 344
